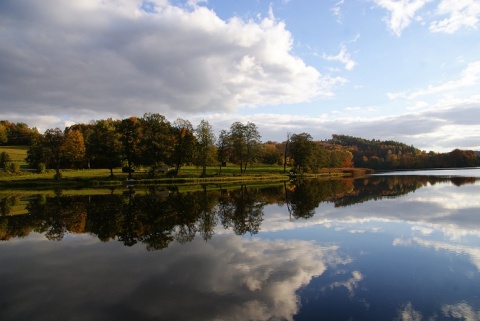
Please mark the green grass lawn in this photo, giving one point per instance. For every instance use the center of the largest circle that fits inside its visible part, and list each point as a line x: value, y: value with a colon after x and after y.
x: 232, y: 169
x: 17, y: 154
x: 187, y: 175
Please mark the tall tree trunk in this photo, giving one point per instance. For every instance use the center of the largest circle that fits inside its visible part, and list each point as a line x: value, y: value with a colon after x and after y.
x: 285, y: 153
x: 177, y: 168
x: 57, y: 167
x: 129, y: 169
x: 57, y: 170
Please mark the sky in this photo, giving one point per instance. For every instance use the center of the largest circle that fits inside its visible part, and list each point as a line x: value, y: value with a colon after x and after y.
x: 403, y: 70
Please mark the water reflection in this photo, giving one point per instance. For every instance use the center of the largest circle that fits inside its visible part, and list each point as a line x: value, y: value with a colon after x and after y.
x: 158, y: 217
x: 225, y: 279
x: 379, y: 248
x: 152, y: 218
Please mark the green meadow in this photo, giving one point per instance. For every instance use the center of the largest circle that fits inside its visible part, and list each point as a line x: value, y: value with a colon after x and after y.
x: 188, y: 175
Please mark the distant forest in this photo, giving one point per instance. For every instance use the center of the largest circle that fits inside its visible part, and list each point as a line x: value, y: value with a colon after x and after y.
x: 152, y: 142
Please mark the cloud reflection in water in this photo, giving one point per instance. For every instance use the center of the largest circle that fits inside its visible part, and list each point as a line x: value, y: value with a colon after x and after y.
x: 194, y: 281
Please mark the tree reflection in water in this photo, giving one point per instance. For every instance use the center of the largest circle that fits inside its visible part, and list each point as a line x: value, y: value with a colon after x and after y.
x: 157, y: 217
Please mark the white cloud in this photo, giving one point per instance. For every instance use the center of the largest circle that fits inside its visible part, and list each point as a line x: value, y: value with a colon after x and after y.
x: 343, y: 56
x: 460, y: 13
x: 195, y: 3
x: 128, y: 60
x: 337, y: 11
x: 401, y: 12
x: 423, y: 230
x: 456, y: 13
x: 442, y: 127
x: 469, y: 77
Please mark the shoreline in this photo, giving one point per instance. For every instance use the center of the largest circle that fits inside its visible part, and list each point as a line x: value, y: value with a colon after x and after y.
x: 75, y: 179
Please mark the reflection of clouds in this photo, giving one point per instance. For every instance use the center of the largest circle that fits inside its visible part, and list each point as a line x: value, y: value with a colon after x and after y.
x: 350, y: 284
x: 453, y: 232
x: 446, y: 196
x: 408, y: 313
x: 463, y: 172
x: 198, y: 280
x: 273, y: 271
x: 32, y: 238
x: 357, y: 231
x: 461, y: 311
x: 472, y: 252
x: 449, y: 209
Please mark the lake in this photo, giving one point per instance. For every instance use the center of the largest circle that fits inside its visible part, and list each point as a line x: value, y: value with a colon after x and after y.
x: 395, y: 246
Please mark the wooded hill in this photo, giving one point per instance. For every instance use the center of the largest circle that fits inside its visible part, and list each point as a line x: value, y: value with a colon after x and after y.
x: 377, y: 154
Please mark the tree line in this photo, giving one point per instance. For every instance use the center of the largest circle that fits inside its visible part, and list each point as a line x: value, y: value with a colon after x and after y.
x: 16, y: 133
x: 389, y: 155
x: 157, y: 145
x: 154, y: 143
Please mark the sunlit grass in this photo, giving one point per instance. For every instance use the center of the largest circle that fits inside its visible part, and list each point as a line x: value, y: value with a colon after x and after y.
x: 188, y: 175
x: 103, y: 175
x: 185, y: 173
x: 232, y: 169
x: 17, y: 153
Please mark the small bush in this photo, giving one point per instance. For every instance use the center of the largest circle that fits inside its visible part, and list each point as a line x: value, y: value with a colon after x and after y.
x: 12, y: 167
x: 171, y: 173
x: 126, y: 169
x: 4, y: 160
x: 42, y: 168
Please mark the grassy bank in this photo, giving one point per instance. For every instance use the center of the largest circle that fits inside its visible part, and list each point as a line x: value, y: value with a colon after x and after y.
x: 17, y: 154
x: 188, y: 175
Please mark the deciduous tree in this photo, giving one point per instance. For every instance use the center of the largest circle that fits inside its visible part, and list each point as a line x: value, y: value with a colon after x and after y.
x: 205, y: 145
x: 254, y: 144
x: 54, y: 139
x: 184, y: 143
x: 286, y: 152
x: 4, y: 159
x: 37, y: 153
x: 104, y: 145
x: 302, y: 151
x: 3, y: 134
x: 73, y: 149
x: 245, y: 144
x: 130, y: 131
x: 157, y: 141
x: 223, y: 148
x: 270, y: 154
x: 17, y: 133
x: 238, y: 144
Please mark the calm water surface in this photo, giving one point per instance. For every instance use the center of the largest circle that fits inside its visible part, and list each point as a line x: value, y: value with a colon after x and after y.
x: 379, y: 248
